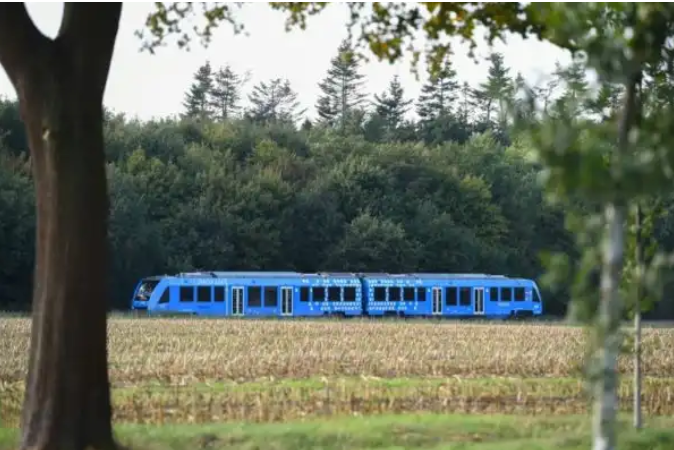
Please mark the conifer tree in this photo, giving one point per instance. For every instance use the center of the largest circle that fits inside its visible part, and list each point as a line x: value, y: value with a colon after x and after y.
x: 493, y: 95
x: 274, y: 101
x: 574, y: 80
x: 342, y: 88
x: 197, y: 104
x: 438, y: 94
x: 544, y: 93
x: 466, y: 104
x: 391, y: 106
x: 437, y: 110
x: 226, y: 93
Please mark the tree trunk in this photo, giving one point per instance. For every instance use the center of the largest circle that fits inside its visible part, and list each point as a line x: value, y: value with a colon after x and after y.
x: 611, y: 306
x: 639, y: 257
x: 610, y: 312
x: 67, y: 404
x: 60, y: 86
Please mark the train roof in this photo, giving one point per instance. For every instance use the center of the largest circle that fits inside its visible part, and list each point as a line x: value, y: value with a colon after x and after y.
x: 432, y: 275
x: 447, y: 278
x: 456, y: 275
x: 263, y: 274
x: 366, y: 275
x: 153, y: 278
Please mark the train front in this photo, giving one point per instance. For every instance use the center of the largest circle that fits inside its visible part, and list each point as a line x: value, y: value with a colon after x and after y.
x: 141, y: 295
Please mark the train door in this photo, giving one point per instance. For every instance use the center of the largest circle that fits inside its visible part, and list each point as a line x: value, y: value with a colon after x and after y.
x: 437, y: 301
x: 286, y: 301
x: 237, y: 301
x: 478, y: 296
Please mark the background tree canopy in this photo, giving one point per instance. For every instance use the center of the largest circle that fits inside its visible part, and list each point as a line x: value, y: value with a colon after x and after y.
x: 236, y: 184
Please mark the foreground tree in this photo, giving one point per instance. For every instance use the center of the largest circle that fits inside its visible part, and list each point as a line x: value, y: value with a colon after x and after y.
x: 60, y: 84
x: 603, y: 163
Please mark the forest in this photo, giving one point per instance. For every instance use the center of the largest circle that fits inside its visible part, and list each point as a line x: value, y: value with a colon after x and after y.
x: 242, y: 180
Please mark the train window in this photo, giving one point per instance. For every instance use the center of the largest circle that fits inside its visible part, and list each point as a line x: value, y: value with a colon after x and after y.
x: 506, y: 294
x: 394, y: 294
x: 350, y: 294
x: 537, y: 298
x: 319, y: 294
x: 408, y: 294
x: 145, y: 290
x: 450, y: 296
x: 186, y: 294
x: 334, y: 294
x: 493, y: 294
x: 380, y: 294
x: 519, y: 294
x: 255, y: 296
x: 304, y: 294
x: 219, y: 293
x: 164, y: 296
x: 203, y: 293
x: 464, y: 297
x: 270, y: 296
x: 421, y: 294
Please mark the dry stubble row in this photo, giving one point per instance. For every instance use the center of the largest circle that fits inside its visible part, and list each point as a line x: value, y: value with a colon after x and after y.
x: 187, y: 350
x: 281, y: 403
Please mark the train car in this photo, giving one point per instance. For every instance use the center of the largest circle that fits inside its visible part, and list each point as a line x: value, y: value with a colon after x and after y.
x: 394, y: 295
x: 257, y: 294
x: 293, y: 294
x: 453, y: 295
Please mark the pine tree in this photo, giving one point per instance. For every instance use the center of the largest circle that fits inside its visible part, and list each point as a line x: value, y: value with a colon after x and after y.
x: 391, y: 106
x: 466, y: 105
x: 437, y: 110
x: 306, y: 125
x: 197, y: 98
x: 521, y: 100
x: 607, y: 103
x: 274, y: 101
x: 494, y: 94
x: 341, y: 88
x: 544, y: 94
x: 575, y: 84
x: 438, y: 94
x: 574, y: 79
x: 226, y: 93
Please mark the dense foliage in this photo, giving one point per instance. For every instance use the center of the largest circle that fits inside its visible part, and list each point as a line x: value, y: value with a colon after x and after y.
x: 360, y: 189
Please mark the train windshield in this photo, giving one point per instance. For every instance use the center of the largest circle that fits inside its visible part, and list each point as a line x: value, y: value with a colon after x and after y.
x: 145, y: 290
x: 537, y: 296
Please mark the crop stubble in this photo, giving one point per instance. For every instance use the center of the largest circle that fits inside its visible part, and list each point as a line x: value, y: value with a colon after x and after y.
x: 249, y: 360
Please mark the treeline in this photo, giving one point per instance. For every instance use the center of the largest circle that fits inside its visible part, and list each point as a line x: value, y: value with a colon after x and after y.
x: 361, y: 188
x: 448, y: 111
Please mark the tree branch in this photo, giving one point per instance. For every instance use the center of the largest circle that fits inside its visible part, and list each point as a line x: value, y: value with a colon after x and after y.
x: 88, y: 31
x: 20, y: 40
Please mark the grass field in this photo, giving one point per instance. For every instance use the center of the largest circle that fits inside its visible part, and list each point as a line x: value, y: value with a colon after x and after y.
x: 191, y: 371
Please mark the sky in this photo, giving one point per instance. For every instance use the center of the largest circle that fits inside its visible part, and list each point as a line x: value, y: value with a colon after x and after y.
x: 147, y: 86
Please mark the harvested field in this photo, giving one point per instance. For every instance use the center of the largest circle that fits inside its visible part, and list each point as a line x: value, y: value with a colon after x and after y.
x: 192, y: 370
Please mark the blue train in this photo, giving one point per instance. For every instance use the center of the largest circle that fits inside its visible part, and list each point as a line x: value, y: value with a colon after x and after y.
x: 293, y: 294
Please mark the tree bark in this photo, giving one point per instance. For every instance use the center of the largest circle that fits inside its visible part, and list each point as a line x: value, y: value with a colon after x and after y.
x: 611, y: 306
x: 610, y: 312
x: 639, y: 257
x: 60, y: 85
